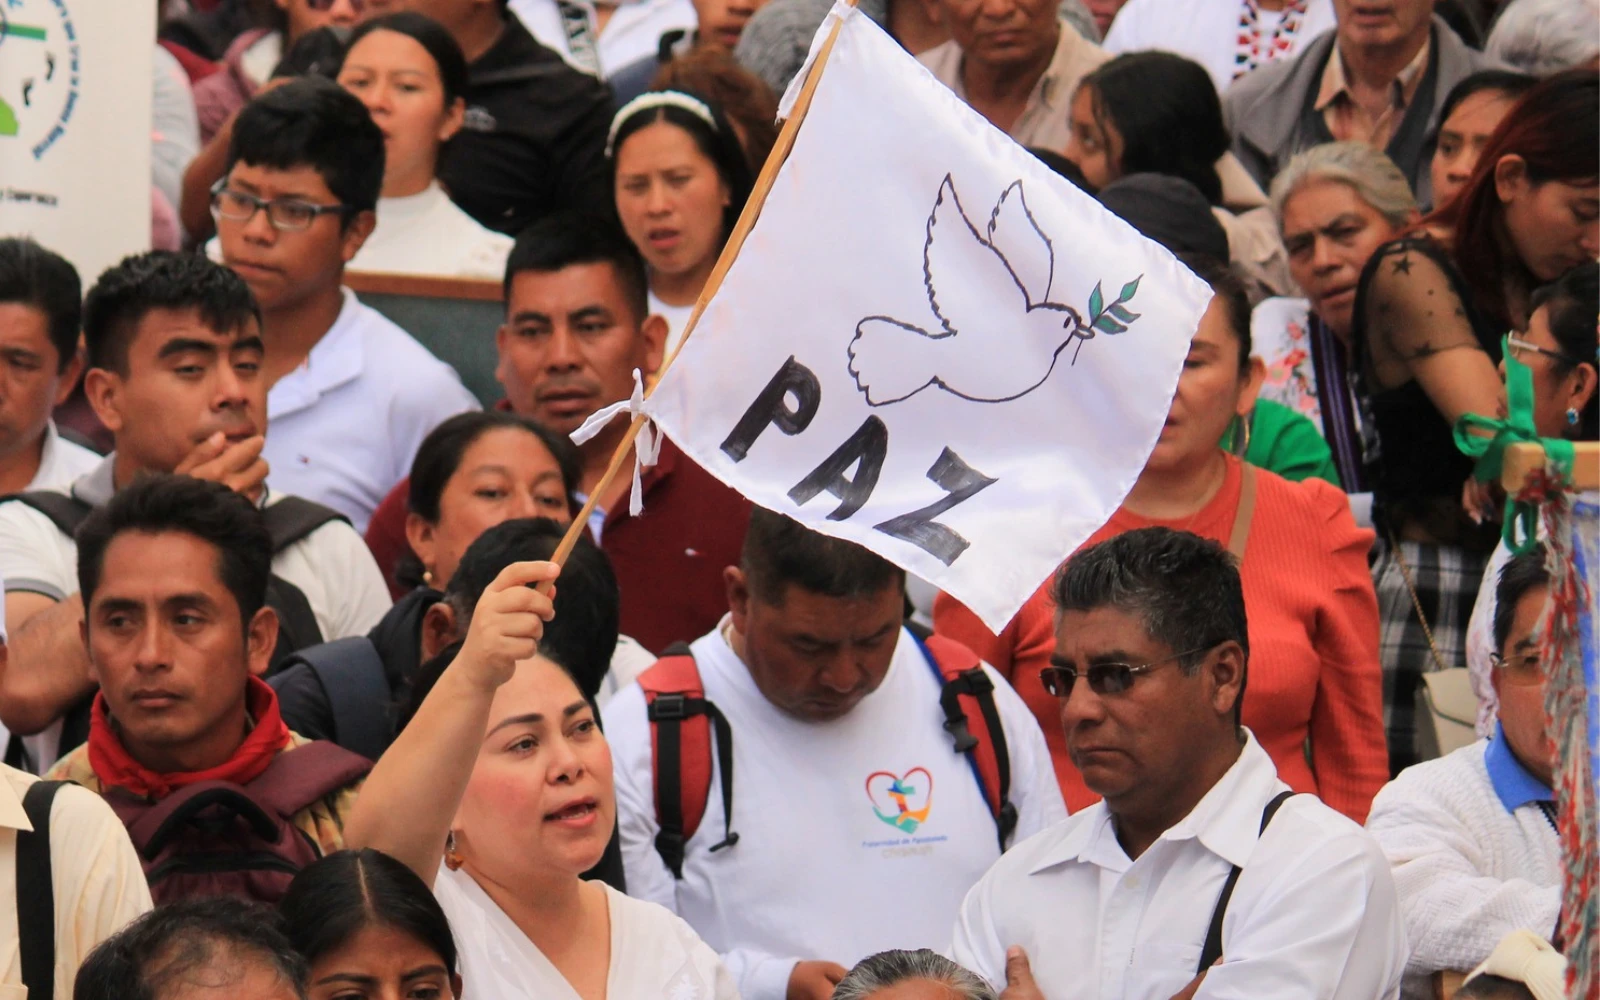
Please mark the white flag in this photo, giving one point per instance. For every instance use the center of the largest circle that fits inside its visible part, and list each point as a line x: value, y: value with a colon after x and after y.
x: 930, y: 344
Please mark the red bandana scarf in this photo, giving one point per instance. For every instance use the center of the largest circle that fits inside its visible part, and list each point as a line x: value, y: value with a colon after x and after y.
x: 116, y: 768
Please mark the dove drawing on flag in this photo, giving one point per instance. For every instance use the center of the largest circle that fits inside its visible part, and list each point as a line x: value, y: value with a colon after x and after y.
x: 999, y: 333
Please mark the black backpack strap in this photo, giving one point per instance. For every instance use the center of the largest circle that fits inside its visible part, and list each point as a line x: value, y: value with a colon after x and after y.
x: 666, y: 712
x: 1213, y: 946
x: 64, y: 510
x: 352, y: 676
x: 36, y: 903
x: 291, y: 519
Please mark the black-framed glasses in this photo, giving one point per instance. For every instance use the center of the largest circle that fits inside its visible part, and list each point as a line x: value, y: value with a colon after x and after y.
x: 1106, y: 678
x: 285, y: 214
x: 1520, y: 349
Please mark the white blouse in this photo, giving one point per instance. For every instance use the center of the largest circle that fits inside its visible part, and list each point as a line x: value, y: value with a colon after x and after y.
x: 426, y: 234
x: 654, y: 954
x: 677, y: 318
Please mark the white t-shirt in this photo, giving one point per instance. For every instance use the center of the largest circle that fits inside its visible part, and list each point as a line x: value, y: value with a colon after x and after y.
x: 677, y: 318
x: 332, y: 567
x: 1314, y: 915
x: 654, y: 955
x: 633, y: 32
x: 628, y: 661
x: 1207, y: 31
x: 61, y: 462
x: 828, y: 866
x: 343, y: 428
x: 426, y: 234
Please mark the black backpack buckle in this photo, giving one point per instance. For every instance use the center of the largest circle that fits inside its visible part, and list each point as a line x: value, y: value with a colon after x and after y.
x: 669, y: 708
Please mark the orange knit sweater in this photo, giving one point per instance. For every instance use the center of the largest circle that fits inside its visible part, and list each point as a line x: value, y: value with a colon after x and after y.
x: 1314, y: 673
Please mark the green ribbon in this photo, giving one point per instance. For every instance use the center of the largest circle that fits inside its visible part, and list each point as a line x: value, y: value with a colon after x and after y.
x: 1486, y: 440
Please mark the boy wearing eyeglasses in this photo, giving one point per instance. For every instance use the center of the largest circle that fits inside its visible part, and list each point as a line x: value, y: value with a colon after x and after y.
x: 1199, y: 874
x: 351, y: 394
x: 1472, y: 836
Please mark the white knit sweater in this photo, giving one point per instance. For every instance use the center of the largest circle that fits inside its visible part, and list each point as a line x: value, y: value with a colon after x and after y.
x: 1468, y: 872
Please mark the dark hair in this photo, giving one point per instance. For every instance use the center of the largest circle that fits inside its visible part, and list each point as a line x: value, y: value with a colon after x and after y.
x: 166, y: 946
x: 209, y: 511
x: 312, y: 121
x: 1064, y: 168
x: 333, y: 899
x: 1230, y: 288
x: 1185, y: 588
x: 1167, y: 112
x: 1555, y: 129
x: 44, y: 280
x: 432, y: 36
x: 130, y: 290
x: 715, y: 139
x: 1573, y: 301
x: 441, y: 452
x: 1488, y: 987
x: 779, y: 551
x: 565, y: 239
x: 1506, y: 82
x: 742, y: 95
x: 1522, y: 574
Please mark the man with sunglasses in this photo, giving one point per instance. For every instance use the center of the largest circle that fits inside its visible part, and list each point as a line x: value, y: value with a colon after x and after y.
x: 352, y: 395
x: 1199, y: 874
x: 853, y: 824
x: 1472, y: 836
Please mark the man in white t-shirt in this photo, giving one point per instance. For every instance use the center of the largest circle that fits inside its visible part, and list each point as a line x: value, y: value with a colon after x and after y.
x: 352, y: 395
x: 856, y: 825
x: 1228, y: 37
x: 175, y: 359
x: 1199, y: 875
x: 40, y: 311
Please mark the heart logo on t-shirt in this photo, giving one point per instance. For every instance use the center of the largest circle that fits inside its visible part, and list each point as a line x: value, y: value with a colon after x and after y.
x: 903, y: 802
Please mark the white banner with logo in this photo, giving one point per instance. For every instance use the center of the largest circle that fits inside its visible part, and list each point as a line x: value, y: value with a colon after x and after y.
x: 931, y: 344
x: 75, y: 132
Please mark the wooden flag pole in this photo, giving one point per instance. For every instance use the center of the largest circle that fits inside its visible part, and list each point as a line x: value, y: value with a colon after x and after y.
x: 730, y: 251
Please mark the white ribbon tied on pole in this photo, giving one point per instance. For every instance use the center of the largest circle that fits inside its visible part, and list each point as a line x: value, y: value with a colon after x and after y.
x: 646, y: 446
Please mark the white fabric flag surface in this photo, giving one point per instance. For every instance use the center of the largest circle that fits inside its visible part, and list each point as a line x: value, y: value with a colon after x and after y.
x: 930, y: 344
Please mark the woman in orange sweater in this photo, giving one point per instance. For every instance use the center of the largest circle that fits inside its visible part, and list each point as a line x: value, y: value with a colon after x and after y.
x: 1314, y: 695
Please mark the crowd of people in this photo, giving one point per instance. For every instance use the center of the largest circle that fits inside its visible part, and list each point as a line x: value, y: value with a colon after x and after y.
x: 297, y: 702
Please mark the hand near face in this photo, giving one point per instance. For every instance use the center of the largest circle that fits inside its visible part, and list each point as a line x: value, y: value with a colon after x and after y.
x: 814, y: 980
x: 508, y: 623
x: 237, y: 465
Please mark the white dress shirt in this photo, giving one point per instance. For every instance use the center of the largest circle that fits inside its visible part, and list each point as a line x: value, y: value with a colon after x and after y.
x: 1313, y: 914
x: 826, y: 867
x: 1206, y: 31
x: 1474, y: 857
x: 633, y: 32
x: 426, y: 234
x: 343, y: 428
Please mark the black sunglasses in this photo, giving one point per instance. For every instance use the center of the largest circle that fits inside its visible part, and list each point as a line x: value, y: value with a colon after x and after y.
x: 1105, y: 678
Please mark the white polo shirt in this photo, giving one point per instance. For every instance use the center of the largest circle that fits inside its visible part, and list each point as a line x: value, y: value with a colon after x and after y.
x: 98, y: 885
x: 61, y: 461
x: 1314, y: 913
x: 828, y: 865
x: 343, y: 428
x: 633, y: 32
x: 1208, y: 32
x: 332, y: 567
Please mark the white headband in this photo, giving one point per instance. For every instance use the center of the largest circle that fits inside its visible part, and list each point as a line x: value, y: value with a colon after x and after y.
x: 658, y: 99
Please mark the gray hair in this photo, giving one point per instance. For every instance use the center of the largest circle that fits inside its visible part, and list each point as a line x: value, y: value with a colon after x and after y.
x: 887, y: 968
x: 1370, y: 172
x: 1546, y: 36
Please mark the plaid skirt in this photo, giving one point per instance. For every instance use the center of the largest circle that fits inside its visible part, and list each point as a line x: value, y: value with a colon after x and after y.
x: 1446, y: 579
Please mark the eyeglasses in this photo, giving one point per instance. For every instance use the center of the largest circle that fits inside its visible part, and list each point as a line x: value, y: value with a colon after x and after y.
x: 1106, y: 678
x: 285, y: 214
x: 1524, y: 669
x: 1521, y: 349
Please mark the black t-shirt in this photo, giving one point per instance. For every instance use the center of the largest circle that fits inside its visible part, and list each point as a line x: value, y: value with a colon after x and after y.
x: 534, y: 137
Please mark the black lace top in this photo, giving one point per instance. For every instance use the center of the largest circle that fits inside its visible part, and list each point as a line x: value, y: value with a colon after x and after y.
x: 1412, y: 302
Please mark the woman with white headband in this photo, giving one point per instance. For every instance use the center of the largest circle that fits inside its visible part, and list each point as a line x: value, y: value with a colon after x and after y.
x: 680, y: 180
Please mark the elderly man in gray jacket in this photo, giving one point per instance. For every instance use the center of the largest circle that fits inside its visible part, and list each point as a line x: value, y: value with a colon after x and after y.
x: 1379, y: 77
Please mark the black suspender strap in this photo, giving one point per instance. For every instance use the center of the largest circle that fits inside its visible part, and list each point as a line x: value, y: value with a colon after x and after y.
x: 36, y: 905
x: 1213, y: 946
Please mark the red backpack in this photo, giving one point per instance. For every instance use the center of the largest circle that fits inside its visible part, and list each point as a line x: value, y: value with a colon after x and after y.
x: 216, y: 838
x: 683, y: 723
